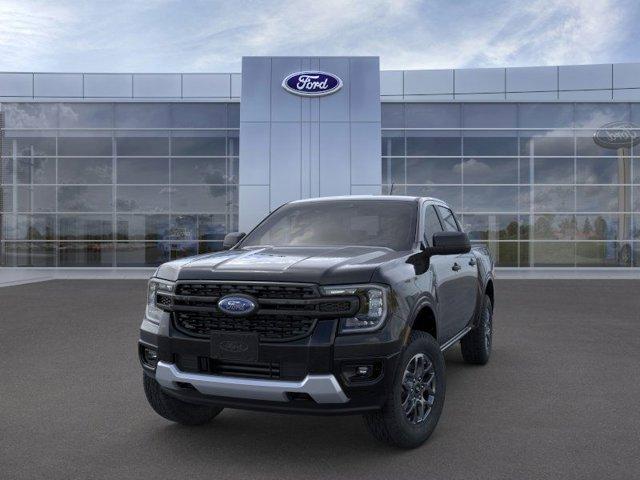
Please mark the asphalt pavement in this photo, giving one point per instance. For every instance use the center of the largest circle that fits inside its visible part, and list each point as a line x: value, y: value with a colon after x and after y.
x: 558, y: 400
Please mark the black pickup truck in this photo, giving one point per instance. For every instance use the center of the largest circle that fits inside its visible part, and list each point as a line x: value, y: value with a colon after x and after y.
x: 338, y: 305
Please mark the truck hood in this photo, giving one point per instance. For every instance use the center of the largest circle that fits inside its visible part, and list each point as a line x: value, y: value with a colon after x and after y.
x: 321, y: 265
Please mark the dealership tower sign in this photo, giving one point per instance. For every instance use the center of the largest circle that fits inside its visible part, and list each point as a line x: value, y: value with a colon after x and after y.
x: 312, y: 83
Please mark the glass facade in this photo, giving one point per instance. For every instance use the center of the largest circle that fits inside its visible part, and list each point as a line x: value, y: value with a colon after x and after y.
x: 116, y: 184
x: 130, y: 184
x: 527, y: 179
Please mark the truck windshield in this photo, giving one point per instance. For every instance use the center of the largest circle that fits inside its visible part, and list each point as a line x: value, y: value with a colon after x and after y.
x: 378, y: 223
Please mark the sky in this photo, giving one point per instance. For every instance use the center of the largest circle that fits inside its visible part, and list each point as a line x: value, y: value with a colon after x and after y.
x: 212, y: 36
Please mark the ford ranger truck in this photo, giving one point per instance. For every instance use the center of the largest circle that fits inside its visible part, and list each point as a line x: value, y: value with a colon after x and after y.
x: 338, y: 305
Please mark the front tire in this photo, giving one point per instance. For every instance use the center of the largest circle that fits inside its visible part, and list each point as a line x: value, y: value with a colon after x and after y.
x: 476, y: 345
x: 415, y: 403
x: 176, y: 410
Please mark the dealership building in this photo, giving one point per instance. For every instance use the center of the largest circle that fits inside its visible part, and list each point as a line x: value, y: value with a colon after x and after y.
x: 132, y: 170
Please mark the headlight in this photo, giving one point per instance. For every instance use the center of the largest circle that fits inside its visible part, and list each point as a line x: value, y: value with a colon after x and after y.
x: 154, y: 313
x: 373, y: 307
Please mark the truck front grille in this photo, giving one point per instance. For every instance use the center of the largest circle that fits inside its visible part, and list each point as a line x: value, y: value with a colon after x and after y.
x: 259, y: 291
x: 272, y: 328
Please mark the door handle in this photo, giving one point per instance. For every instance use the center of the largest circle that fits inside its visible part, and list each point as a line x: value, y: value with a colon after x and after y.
x: 472, y: 262
x: 456, y: 267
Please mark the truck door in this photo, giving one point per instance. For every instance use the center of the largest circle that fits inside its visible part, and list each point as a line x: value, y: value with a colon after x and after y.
x: 464, y: 284
x: 444, y: 278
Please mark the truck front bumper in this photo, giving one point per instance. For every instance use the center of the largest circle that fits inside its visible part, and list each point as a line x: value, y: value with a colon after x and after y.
x: 314, y: 374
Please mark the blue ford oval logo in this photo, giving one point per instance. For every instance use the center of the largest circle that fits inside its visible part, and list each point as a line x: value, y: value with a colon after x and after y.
x: 236, y: 305
x: 312, y: 84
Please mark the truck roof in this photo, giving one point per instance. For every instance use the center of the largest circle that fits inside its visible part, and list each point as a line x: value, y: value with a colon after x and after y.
x: 389, y: 198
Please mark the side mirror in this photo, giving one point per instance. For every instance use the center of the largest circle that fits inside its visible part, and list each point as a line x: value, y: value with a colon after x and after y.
x: 231, y: 239
x: 450, y: 243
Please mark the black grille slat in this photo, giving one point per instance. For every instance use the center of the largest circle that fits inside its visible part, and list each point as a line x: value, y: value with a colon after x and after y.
x: 258, y: 291
x: 268, y: 327
x: 191, y: 363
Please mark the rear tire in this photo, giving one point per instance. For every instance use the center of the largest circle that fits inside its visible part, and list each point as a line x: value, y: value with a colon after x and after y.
x: 176, y: 410
x: 397, y: 423
x: 476, y: 345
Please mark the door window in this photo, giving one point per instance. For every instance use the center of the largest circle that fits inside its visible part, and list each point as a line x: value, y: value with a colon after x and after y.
x: 431, y: 224
x: 449, y: 222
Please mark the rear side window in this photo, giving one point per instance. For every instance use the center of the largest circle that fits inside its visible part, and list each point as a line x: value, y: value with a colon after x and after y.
x: 431, y: 224
x: 449, y: 222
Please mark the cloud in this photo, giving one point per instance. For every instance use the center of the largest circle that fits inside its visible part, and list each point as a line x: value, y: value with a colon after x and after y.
x: 169, y: 36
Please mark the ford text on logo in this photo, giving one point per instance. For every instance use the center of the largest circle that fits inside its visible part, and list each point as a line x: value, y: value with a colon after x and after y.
x: 312, y: 84
x: 236, y: 305
x: 233, y: 346
x: 617, y: 135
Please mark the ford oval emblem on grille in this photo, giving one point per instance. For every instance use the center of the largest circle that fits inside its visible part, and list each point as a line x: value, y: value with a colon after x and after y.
x: 312, y: 84
x: 237, y: 305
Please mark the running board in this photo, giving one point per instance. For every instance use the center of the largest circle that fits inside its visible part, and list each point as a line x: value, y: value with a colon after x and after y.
x: 456, y: 338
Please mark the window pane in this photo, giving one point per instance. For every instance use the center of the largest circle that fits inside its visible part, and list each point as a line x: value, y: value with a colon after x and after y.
x: 233, y: 143
x: 392, y: 115
x: 553, y: 170
x: 142, y: 146
x: 598, y: 114
x: 603, y: 170
x: 211, y: 227
x: 6, y: 199
x: 553, y: 254
x: 432, y: 115
x: 233, y: 115
x: 505, y: 254
x: 142, y: 170
x: 393, y: 170
x: 32, y: 146
x: 603, y: 199
x: 93, y: 115
x: 85, y: 170
x: 491, y: 227
x: 546, y: 144
x: 603, y: 227
x: 36, y: 199
x: 85, y: 199
x: 199, y: 170
x: 199, y: 199
x: 35, y: 227
x: 36, y: 170
x: 434, y: 170
x: 392, y: 143
x: 6, y: 170
x: 143, y: 199
x: 37, y: 254
x: 490, y: 170
x: 142, y: 227
x: 141, y: 254
x: 488, y: 115
x: 585, y: 145
x: 30, y: 115
x: 490, y: 144
x: 79, y: 254
x: 490, y: 199
x: 85, y: 227
x: 545, y: 115
x: 199, y: 115
x: 91, y: 146
x: 142, y: 115
x: 603, y: 254
x: 433, y: 143
x: 211, y: 145
x: 554, y: 199
x: 554, y: 227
